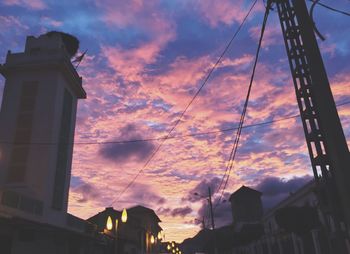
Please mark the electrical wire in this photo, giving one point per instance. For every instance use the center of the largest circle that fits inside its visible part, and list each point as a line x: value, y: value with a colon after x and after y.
x: 235, y: 146
x: 186, y: 108
x: 284, y: 118
x: 241, y: 122
x: 331, y: 8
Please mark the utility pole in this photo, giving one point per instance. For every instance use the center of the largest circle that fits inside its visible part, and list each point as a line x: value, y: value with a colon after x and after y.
x: 202, y: 222
x: 211, y: 209
x: 324, y: 135
x: 212, y: 219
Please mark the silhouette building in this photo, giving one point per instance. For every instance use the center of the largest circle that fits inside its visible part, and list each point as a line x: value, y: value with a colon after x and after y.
x: 37, y: 118
x: 246, y: 206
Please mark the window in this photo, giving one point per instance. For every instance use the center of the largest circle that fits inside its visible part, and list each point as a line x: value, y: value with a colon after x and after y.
x: 63, y: 150
x: 23, y: 132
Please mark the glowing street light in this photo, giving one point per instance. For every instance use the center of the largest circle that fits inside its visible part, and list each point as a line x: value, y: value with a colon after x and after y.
x: 174, y: 251
x: 159, y: 235
x: 124, y: 216
x: 177, y: 249
x: 168, y: 247
x: 116, y: 225
x: 173, y: 244
x: 152, y: 239
x: 109, y: 224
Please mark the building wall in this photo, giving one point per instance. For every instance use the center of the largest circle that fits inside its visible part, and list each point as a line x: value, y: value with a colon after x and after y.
x: 277, y: 241
x: 19, y: 236
x: 246, y: 208
x: 37, y: 118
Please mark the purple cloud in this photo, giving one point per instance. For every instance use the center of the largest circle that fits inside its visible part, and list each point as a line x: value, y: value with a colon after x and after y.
x: 122, y: 152
x: 87, y: 192
x: 275, y: 189
x: 178, y: 211
x: 181, y: 211
x: 221, y: 211
x: 202, y: 189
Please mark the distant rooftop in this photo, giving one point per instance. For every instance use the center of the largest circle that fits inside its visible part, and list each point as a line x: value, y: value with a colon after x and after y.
x: 142, y: 209
x: 244, y: 190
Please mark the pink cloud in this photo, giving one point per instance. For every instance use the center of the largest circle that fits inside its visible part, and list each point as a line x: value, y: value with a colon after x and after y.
x: 277, y: 149
x: 32, y: 4
x: 11, y: 22
x: 51, y: 22
x: 339, y: 84
x: 272, y: 35
x: 124, y: 13
x: 181, y: 160
x: 131, y: 63
x: 220, y: 12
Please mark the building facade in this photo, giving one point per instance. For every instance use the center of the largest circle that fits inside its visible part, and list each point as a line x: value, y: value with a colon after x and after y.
x: 138, y: 235
x: 37, y: 123
x: 37, y: 129
x: 297, y: 225
x: 246, y: 207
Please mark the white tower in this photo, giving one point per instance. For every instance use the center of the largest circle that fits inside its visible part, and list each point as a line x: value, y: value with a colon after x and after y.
x: 37, y: 123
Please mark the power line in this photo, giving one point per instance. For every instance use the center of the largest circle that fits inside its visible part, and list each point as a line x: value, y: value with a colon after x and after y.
x: 331, y: 8
x: 269, y: 122
x: 235, y: 146
x: 233, y: 153
x: 186, y: 108
x: 284, y: 118
x: 239, y: 130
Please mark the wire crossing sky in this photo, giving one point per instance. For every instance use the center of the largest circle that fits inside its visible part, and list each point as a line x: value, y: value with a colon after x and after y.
x: 188, y: 105
x: 144, y: 63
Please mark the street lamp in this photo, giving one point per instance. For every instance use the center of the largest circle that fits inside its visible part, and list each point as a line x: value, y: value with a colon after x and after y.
x: 109, y: 223
x: 124, y: 216
x: 109, y: 226
x: 116, y: 225
x: 168, y: 247
x: 159, y: 235
x: 152, y: 239
x: 210, y: 205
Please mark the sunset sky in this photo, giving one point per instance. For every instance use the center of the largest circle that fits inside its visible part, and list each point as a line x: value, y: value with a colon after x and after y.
x: 145, y: 61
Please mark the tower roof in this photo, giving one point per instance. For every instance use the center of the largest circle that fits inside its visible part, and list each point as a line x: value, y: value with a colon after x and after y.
x: 243, y: 191
x: 142, y: 210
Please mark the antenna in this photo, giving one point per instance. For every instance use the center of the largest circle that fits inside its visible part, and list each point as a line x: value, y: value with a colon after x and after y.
x: 78, y: 59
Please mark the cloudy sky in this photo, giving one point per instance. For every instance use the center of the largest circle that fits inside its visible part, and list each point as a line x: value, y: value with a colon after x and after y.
x: 145, y: 61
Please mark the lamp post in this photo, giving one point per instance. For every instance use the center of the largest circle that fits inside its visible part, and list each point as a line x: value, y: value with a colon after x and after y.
x: 168, y: 247
x: 211, y: 215
x: 110, y: 226
x: 151, y: 240
x: 210, y: 206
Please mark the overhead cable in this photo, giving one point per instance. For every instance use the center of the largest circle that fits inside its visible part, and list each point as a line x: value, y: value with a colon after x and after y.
x: 229, y: 167
x: 331, y: 8
x: 185, y: 110
x: 284, y: 118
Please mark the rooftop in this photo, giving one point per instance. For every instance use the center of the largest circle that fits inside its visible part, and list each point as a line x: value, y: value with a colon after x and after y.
x: 244, y: 190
